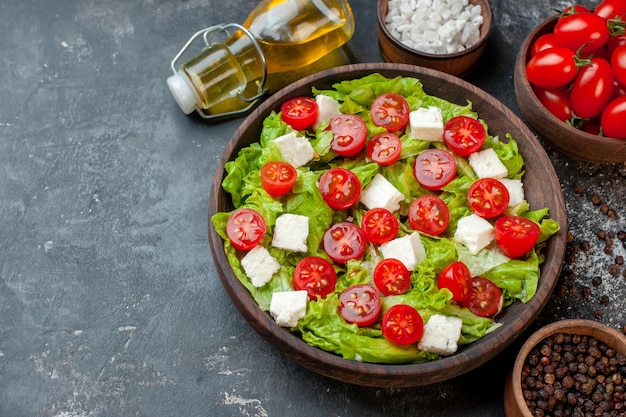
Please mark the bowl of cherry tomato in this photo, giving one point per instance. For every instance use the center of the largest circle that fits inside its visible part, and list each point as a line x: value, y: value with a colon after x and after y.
x: 570, y: 82
x: 235, y: 231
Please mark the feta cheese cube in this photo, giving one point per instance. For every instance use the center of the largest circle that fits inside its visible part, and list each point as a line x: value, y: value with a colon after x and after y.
x: 441, y: 334
x: 515, y: 189
x: 474, y: 232
x: 381, y: 193
x: 297, y: 150
x: 287, y: 307
x: 487, y: 164
x: 407, y: 249
x: 327, y: 108
x: 291, y: 232
x: 426, y: 124
x: 259, y: 266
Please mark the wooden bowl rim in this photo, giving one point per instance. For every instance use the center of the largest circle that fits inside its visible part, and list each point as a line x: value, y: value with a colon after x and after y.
x: 521, y: 82
x: 378, y: 375
x: 381, y: 12
x: 584, y: 327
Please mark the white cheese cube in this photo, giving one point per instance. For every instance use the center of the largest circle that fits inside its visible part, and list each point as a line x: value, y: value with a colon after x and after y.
x: 287, y: 307
x: 515, y: 189
x: 474, y: 232
x: 291, y: 232
x: 426, y: 124
x: 381, y: 193
x: 327, y: 108
x: 297, y: 150
x: 441, y: 334
x: 487, y: 164
x: 407, y: 249
x: 259, y: 266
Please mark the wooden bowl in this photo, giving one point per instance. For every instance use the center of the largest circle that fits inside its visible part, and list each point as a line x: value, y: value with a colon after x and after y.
x: 459, y: 64
x: 562, y: 137
x: 541, y: 187
x: 514, y: 403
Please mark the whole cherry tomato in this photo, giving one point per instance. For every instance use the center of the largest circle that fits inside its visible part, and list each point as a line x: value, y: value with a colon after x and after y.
x: 612, y: 119
x: 457, y: 278
x: 575, y: 30
x: 591, y: 126
x: 618, y: 63
x: 614, y: 42
x: 618, y: 90
x: 556, y: 100
x: 611, y: 9
x: 575, y: 8
x: 545, y: 41
x: 592, y: 88
x: 553, y: 67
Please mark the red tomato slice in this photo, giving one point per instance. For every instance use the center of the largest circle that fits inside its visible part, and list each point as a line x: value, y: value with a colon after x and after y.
x: 592, y: 89
x: 488, y: 197
x: 578, y: 29
x: 402, y: 325
x: 340, y: 188
x: 429, y: 214
x: 278, y: 178
x: 379, y: 225
x: 516, y: 235
x: 464, y: 135
x: 384, y: 148
x: 486, y: 299
x: 434, y: 168
x: 391, y: 111
x: 299, y: 112
x: 315, y: 275
x: 612, y: 119
x: 392, y: 277
x: 349, y: 134
x: 245, y: 228
x: 360, y: 304
x: 457, y: 278
x: 344, y: 241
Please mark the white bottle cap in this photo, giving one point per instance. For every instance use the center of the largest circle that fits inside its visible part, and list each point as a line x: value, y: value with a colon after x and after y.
x: 182, y: 91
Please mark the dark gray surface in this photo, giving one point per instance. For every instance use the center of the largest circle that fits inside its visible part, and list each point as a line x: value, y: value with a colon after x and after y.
x: 109, y: 301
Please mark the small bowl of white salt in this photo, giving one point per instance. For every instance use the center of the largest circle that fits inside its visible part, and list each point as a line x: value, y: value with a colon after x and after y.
x: 446, y: 35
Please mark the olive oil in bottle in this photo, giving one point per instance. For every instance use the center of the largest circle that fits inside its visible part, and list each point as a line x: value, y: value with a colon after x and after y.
x: 278, y: 36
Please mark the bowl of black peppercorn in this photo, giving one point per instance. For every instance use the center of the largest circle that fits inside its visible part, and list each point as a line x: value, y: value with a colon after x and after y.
x: 569, y: 368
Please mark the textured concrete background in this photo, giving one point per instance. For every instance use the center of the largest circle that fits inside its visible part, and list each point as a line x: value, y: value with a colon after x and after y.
x: 109, y: 301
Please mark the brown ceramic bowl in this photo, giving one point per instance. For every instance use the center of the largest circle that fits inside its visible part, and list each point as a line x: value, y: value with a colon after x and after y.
x: 514, y: 403
x: 541, y: 187
x: 562, y: 137
x: 459, y: 64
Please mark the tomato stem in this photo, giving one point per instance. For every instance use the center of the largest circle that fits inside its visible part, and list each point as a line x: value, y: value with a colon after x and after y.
x: 616, y: 26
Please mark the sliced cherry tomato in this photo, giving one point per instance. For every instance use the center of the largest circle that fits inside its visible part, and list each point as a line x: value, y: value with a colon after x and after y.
x: 340, y: 188
x: 578, y: 29
x: 379, y: 225
x: 384, y: 148
x: 618, y: 63
x: 553, y: 67
x: 360, y: 304
x: 516, y: 235
x: 315, y: 275
x: 486, y: 299
x: 299, y: 112
x: 488, y: 197
x: 278, y: 178
x: 545, y: 41
x: 592, y: 88
x: 464, y: 135
x: 392, y: 277
x: 434, y: 168
x: 402, y: 325
x: 556, y: 100
x: 429, y: 214
x: 245, y: 228
x: 611, y: 9
x: 612, y: 119
x: 349, y: 134
x: 457, y: 278
x: 344, y: 241
x: 391, y: 111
